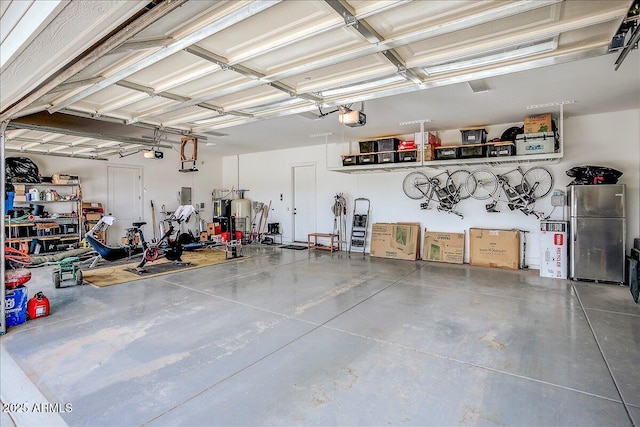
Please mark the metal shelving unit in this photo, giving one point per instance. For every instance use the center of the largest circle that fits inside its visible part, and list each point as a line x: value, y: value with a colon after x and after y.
x: 30, y: 227
x: 541, y: 159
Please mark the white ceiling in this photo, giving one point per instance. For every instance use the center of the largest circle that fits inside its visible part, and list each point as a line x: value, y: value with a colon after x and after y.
x: 238, y: 74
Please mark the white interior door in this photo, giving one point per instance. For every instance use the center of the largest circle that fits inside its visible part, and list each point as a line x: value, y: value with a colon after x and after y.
x: 304, y: 202
x: 124, y: 188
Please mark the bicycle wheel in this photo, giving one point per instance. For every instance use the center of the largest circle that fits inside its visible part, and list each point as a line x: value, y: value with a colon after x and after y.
x: 415, y: 185
x: 484, y: 184
x: 458, y: 182
x: 538, y: 180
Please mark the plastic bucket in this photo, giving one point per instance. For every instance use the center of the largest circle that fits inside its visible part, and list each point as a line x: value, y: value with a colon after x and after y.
x: 225, y: 236
x: 238, y: 235
x: 15, y: 304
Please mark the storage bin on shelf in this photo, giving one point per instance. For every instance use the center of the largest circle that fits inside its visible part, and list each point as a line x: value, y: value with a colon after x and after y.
x: 388, y: 144
x: 350, y: 159
x: 387, y: 157
x: 447, y: 152
x: 472, y: 150
x: 535, y: 143
x: 368, y: 147
x: 368, y: 159
x: 407, y: 156
x: 501, y: 149
x: 475, y: 135
x: 406, y: 145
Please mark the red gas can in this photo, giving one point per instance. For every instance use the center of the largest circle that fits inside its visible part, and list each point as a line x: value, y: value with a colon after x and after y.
x: 38, y: 306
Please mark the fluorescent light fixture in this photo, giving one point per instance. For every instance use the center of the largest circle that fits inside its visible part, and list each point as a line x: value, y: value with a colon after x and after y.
x: 513, y: 52
x: 479, y: 86
x: 373, y: 84
x: 210, y: 144
x: 550, y: 104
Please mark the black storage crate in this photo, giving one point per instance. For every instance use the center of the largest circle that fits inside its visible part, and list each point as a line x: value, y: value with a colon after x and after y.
x: 388, y: 144
x: 407, y: 156
x: 368, y: 159
x: 474, y: 136
x: 388, y: 157
x: 368, y: 147
x: 471, y: 151
x: 350, y: 160
x: 501, y: 149
x: 445, y: 153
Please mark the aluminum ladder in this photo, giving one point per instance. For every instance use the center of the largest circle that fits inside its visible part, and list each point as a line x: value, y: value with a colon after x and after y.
x: 360, y: 225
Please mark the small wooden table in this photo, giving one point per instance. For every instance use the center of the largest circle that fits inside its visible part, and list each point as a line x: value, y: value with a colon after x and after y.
x: 333, y: 238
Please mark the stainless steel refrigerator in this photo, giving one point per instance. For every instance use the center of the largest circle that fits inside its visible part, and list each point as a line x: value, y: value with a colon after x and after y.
x: 597, y: 232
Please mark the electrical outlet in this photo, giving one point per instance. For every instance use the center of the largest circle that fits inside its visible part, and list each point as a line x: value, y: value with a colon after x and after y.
x: 281, y: 197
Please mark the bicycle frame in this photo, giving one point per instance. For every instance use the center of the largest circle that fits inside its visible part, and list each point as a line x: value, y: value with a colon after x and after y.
x: 168, y: 243
x: 518, y: 197
x: 447, y: 196
x: 521, y: 196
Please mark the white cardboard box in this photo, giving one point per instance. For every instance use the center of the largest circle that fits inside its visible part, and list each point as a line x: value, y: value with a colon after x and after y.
x: 553, y: 249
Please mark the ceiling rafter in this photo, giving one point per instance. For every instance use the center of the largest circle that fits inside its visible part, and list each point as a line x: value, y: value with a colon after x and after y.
x: 372, y: 36
x: 178, y: 98
x: 131, y: 46
x: 247, y: 72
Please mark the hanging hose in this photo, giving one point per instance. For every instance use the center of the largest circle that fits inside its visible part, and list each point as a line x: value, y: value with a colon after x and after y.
x: 339, y: 210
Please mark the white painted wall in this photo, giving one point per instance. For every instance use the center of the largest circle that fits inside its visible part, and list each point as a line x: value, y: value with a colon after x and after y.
x: 161, y: 179
x: 611, y: 139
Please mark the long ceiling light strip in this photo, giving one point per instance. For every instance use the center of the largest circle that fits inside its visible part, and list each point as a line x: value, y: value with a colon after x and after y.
x: 43, y: 153
x: 512, y: 53
x: 345, y: 90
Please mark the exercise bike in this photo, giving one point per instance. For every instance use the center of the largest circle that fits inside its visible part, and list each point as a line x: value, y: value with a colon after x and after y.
x: 168, y: 245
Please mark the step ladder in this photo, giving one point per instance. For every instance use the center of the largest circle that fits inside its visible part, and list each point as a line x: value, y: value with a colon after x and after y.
x: 361, y: 208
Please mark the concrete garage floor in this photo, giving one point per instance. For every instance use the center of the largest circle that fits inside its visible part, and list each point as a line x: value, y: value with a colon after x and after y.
x: 312, y: 338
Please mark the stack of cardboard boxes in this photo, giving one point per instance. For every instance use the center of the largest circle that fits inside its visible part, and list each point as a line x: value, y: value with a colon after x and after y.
x: 20, y: 193
x: 487, y: 247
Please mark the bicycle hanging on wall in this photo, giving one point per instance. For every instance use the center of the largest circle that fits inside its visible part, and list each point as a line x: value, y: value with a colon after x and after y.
x: 417, y: 186
x: 529, y: 186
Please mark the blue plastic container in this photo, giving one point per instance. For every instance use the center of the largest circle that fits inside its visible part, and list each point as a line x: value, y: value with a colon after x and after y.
x: 15, y: 304
x: 8, y: 204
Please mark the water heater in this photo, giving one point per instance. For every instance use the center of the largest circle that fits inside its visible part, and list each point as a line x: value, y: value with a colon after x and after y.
x: 241, y: 210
